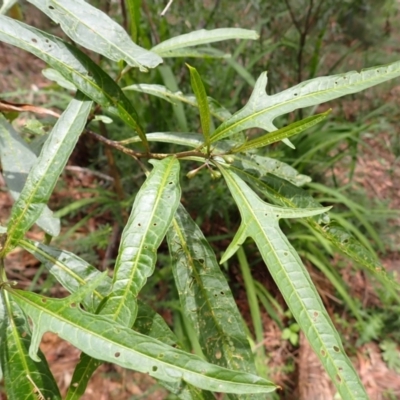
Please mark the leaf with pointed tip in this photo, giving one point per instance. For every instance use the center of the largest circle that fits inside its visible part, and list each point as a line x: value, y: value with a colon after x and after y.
x: 75, y: 66
x: 24, y: 378
x: 152, y: 212
x: 216, y: 109
x: 260, y: 221
x: 102, y: 338
x: 94, y: 30
x: 171, y: 47
x: 17, y: 160
x: 201, y: 97
x: 262, y: 109
x: 206, y: 297
x: 45, y: 172
x: 283, y: 133
x: 283, y: 193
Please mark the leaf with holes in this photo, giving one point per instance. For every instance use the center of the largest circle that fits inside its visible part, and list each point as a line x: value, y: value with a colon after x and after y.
x: 261, y: 109
x: 75, y: 66
x: 260, y: 221
x: 206, y: 297
x: 94, y: 30
x: 101, y: 337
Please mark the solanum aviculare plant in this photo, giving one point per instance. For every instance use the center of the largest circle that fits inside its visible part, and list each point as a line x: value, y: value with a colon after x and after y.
x: 103, y: 315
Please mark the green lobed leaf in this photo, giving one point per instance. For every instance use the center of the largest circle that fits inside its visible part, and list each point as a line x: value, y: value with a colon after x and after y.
x: 201, y: 97
x: 94, y: 30
x: 283, y: 133
x: 44, y: 174
x: 75, y: 66
x: 17, y: 159
x: 73, y: 273
x: 260, y: 221
x: 206, y: 297
x: 285, y: 194
x: 168, y: 47
x: 151, y: 215
x: 101, y: 337
x: 23, y: 378
x: 262, y: 109
x: 216, y: 109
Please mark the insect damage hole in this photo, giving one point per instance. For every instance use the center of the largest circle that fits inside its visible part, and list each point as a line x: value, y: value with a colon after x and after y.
x: 154, y: 368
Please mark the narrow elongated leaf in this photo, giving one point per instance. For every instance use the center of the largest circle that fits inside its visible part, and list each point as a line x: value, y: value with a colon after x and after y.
x: 103, y: 338
x: 283, y: 133
x: 75, y: 66
x: 49, y: 165
x: 17, y: 160
x: 94, y: 30
x: 201, y: 97
x: 260, y: 221
x: 262, y: 109
x: 206, y: 297
x: 24, y: 378
x: 216, y: 109
x: 71, y: 271
x: 152, y: 212
x: 203, y: 36
x: 151, y: 215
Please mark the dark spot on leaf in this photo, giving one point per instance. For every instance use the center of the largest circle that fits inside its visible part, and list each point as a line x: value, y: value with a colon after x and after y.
x: 222, y: 293
x: 277, y: 215
x: 285, y: 253
x: 216, y: 295
x: 161, y: 355
x: 295, y: 94
x: 336, y: 349
x: 117, y: 354
x: 335, y: 82
x: 345, y: 241
x: 170, y: 183
x: 51, y: 7
x: 154, y: 224
x: 139, y: 224
x: 316, y: 314
x: 201, y: 260
x: 154, y: 368
x: 266, y: 214
x: 34, y: 40
x: 73, y: 305
x: 44, y: 300
x: 338, y: 378
x: 323, y: 353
